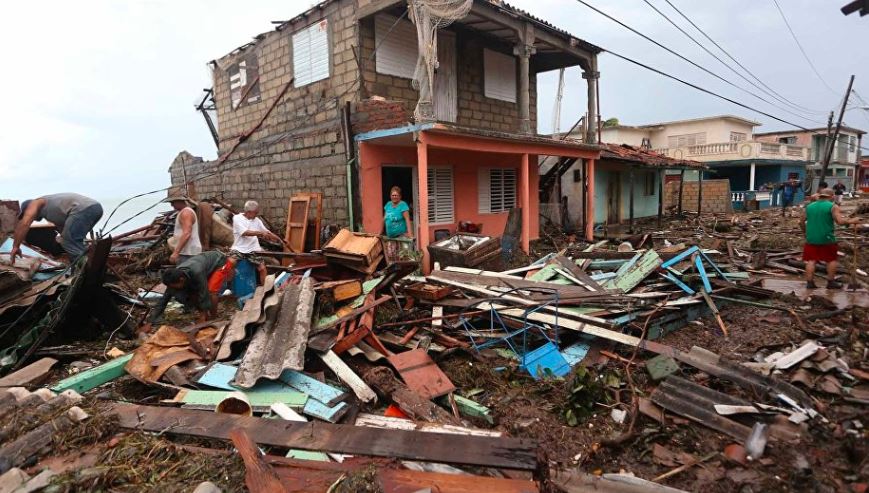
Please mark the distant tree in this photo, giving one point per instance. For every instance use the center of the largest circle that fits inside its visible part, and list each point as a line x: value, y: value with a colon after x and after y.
x: 612, y: 122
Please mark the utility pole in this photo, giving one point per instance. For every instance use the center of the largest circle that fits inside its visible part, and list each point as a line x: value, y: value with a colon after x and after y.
x: 835, y: 138
x: 559, y: 95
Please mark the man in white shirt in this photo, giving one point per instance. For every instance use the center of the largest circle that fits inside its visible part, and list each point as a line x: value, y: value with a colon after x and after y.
x: 247, y: 229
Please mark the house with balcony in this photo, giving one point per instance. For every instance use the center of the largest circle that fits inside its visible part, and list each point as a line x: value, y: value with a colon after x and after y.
x: 844, y: 161
x: 330, y: 101
x: 730, y: 149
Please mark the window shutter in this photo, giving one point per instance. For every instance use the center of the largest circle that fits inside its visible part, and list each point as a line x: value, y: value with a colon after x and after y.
x: 499, y: 76
x: 440, y: 195
x: 397, y: 50
x: 311, y: 54
x: 496, y: 190
x: 484, y: 194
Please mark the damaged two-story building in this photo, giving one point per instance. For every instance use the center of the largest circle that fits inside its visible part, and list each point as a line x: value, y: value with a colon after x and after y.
x: 325, y: 103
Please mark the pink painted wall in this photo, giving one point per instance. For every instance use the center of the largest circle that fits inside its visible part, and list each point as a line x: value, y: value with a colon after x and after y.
x: 465, y: 166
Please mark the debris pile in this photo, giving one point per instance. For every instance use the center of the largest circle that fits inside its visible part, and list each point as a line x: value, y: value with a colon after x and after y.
x: 671, y: 360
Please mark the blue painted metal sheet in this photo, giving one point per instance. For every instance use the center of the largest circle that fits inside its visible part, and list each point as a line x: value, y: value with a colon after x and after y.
x: 545, y: 359
x: 575, y: 353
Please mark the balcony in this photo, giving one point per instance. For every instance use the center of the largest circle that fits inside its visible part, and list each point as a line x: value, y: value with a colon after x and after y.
x: 732, y: 151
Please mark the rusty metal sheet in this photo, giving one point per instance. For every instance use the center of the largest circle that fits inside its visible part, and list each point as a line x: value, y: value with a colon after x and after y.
x: 279, y: 344
x: 253, y: 312
x: 421, y: 373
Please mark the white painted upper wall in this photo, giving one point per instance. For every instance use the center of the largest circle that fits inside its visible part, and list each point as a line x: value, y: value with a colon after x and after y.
x: 706, y: 130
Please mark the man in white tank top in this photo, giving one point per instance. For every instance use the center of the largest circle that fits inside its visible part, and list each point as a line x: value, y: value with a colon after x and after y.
x: 185, y: 239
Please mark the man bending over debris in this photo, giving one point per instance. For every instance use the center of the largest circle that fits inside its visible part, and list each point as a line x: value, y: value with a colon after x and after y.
x: 74, y: 216
x: 195, y: 283
x: 819, y: 223
x: 247, y: 229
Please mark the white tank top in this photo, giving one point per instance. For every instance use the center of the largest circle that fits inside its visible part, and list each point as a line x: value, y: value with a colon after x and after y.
x: 193, y: 246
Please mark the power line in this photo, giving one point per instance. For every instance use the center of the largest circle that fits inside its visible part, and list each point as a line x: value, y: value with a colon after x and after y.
x: 743, y: 67
x: 800, y: 46
x: 670, y: 50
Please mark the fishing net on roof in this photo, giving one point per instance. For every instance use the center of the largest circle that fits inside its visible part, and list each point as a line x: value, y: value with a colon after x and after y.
x: 429, y: 16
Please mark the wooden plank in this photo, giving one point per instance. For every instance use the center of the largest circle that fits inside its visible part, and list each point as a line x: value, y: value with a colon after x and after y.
x: 510, y: 453
x: 796, y: 355
x: 210, y: 398
x: 324, y: 393
x: 332, y: 414
x: 412, y: 404
x: 377, y: 421
x: 631, y: 274
x: 348, y: 376
x: 33, y: 374
x: 259, y: 477
x: 470, y: 408
x: 94, y: 377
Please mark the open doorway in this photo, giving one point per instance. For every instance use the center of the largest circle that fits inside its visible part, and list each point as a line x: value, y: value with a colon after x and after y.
x: 404, y: 177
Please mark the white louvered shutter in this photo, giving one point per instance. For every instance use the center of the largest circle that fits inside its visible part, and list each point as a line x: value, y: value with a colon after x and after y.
x: 496, y: 190
x: 311, y: 54
x: 499, y: 76
x: 397, y: 49
x: 440, y: 195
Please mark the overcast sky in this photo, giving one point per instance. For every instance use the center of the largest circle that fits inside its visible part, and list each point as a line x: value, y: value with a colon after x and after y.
x: 98, y: 96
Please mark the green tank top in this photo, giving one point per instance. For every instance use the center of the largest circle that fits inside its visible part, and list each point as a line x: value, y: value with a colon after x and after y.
x: 819, y: 223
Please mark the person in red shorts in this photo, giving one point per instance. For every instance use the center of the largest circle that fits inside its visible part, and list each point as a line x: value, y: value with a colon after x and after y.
x: 819, y: 224
x: 195, y: 283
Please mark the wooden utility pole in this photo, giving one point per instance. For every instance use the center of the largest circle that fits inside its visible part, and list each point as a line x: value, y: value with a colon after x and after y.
x: 835, y: 138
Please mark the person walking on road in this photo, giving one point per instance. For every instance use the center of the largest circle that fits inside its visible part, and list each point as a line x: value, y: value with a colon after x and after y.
x: 74, y: 216
x: 819, y: 223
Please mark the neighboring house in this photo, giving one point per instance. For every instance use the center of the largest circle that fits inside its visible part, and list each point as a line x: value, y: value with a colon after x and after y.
x: 728, y: 146
x: 844, y: 161
x: 324, y: 103
x: 627, y: 185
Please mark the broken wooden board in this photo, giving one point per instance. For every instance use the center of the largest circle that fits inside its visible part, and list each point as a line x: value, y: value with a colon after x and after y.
x: 33, y: 374
x: 297, y: 223
x: 332, y: 414
x: 350, y: 246
x: 377, y: 421
x: 93, y: 377
x: 410, y: 403
x: 280, y: 343
x: 509, y: 453
x: 259, y: 477
x: 632, y: 273
x: 318, y: 390
x: 259, y: 401
x: 421, y: 373
x: 348, y: 376
x: 797, y: 355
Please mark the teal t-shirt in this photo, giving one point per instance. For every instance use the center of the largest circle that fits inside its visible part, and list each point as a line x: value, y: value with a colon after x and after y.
x: 393, y: 216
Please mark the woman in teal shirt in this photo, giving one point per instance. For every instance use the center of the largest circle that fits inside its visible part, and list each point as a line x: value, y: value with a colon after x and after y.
x: 396, y: 216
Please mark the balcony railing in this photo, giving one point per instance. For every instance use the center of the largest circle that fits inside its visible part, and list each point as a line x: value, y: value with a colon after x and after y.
x: 731, y: 151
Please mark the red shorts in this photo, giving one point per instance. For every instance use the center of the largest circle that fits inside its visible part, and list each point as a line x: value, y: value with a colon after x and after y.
x: 217, y: 280
x: 821, y: 253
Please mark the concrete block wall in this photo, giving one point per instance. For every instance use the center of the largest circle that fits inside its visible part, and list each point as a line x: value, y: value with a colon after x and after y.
x: 474, y: 109
x: 716, y: 196
x: 300, y: 146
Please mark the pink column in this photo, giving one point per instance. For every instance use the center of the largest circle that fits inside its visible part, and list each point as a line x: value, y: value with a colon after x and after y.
x: 422, y: 189
x: 589, y: 203
x: 525, y: 203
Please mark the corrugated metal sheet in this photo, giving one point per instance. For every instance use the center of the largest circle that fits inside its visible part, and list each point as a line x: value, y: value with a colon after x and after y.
x: 311, y: 54
x: 279, y: 344
x: 499, y: 76
x: 397, y: 53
